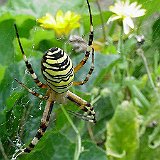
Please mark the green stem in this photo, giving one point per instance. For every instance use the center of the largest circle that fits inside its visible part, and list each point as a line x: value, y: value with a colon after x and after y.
x: 156, y: 59
x: 137, y: 93
x: 95, y: 99
x: 140, y: 52
x: 120, y: 50
x: 102, y: 20
x: 120, y: 43
x: 78, y: 149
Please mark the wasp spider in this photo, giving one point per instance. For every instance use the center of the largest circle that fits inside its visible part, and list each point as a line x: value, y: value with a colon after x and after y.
x: 58, y: 71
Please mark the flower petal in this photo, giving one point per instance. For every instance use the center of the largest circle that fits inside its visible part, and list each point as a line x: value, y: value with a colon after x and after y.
x: 113, y: 18
x: 139, y: 13
x: 133, y: 5
x: 47, y: 21
x: 138, y: 7
x: 125, y: 27
x: 129, y: 22
x: 62, y: 24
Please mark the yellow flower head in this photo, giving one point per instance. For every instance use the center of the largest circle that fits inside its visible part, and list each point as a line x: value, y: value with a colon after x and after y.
x: 125, y: 11
x: 61, y: 23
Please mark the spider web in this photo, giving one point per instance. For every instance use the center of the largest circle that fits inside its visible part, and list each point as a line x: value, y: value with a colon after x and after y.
x: 16, y: 100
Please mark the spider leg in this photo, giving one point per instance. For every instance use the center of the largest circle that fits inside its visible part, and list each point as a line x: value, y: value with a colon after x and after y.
x: 89, y: 48
x: 28, y: 65
x: 43, y: 126
x: 91, y: 25
x: 89, y: 73
x: 89, y: 113
x: 81, y: 116
x: 31, y: 91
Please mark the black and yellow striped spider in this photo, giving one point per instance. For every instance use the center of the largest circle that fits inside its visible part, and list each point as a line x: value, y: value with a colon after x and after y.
x: 58, y: 71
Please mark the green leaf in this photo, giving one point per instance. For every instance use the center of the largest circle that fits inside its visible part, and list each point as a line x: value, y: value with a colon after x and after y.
x: 137, y: 93
x: 152, y: 121
x: 154, y: 138
x: 53, y: 146
x: 31, y: 8
x: 104, y: 65
x: 145, y: 152
x: 6, y: 38
x: 11, y: 100
x: 7, y: 33
x: 156, y: 33
x: 122, y: 133
x: 92, y: 152
x: 2, y: 72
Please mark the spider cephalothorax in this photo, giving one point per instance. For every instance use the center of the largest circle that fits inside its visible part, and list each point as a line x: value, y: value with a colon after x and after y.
x: 58, y: 71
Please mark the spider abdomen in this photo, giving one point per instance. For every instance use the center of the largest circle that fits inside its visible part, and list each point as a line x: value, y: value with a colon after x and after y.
x: 57, y: 69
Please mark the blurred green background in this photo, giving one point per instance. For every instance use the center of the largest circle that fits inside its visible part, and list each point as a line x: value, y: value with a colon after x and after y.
x: 124, y: 92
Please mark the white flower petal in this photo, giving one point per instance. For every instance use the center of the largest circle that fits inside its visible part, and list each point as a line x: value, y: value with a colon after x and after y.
x: 126, y: 4
x: 129, y: 22
x: 114, y: 9
x: 139, y: 13
x: 125, y: 27
x: 119, y: 3
x: 125, y: 10
x: 138, y: 7
x: 113, y: 18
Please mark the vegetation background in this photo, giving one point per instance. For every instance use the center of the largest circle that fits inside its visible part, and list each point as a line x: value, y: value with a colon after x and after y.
x: 124, y: 91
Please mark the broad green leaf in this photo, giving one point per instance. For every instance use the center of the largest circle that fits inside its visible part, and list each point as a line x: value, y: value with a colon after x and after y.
x: 145, y: 152
x: 30, y: 7
x: 10, y: 102
x: 7, y: 33
x: 152, y: 121
x: 52, y: 146
x: 154, y: 138
x: 2, y: 72
x: 103, y: 64
x: 6, y: 38
x: 156, y: 33
x: 122, y: 133
x: 92, y: 152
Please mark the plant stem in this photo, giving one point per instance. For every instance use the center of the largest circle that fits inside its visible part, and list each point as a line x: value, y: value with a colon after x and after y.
x: 90, y: 132
x: 156, y: 59
x: 120, y: 43
x: 78, y: 149
x: 121, y: 52
x: 102, y: 21
x: 95, y: 99
x: 140, y: 52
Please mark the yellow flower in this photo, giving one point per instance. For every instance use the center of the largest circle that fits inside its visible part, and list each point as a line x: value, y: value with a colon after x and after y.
x: 61, y: 23
x: 125, y: 12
